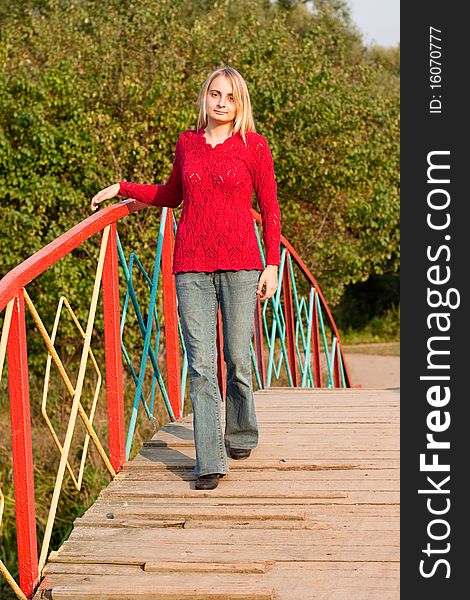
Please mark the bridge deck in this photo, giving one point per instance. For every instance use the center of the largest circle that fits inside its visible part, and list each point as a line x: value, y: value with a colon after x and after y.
x: 313, y: 513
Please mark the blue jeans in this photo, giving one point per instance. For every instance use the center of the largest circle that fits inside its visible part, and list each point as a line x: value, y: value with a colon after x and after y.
x: 199, y: 295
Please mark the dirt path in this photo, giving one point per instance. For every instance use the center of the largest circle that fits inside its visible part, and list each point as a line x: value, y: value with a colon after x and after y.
x: 374, y: 371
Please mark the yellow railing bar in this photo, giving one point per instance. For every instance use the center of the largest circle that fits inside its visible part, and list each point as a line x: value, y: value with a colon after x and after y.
x: 3, y: 570
x: 5, y: 332
x: 71, y: 390
x: 68, y: 383
x: 75, y: 404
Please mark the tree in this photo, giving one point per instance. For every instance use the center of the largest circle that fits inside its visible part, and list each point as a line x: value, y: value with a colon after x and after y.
x: 96, y: 92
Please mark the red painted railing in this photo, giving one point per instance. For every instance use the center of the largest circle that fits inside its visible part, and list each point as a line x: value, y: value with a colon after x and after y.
x: 12, y: 289
x: 12, y: 295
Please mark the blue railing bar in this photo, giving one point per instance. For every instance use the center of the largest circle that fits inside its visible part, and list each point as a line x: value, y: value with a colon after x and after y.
x: 343, y: 378
x: 131, y: 292
x: 309, y: 337
x: 275, y: 301
x: 148, y: 331
x: 325, y: 343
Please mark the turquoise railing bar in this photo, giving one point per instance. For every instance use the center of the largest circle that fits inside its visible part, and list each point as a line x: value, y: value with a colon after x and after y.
x: 309, y: 337
x: 341, y: 366
x: 325, y: 344
x: 260, y: 245
x: 147, y: 332
x: 307, y: 314
x: 303, y: 330
x: 299, y: 308
x: 184, y: 368
x: 276, y: 324
x: 130, y: 294
x: 153, y: 353
x: 254, y: 363
x: 299, y: 333
x: 270, y: 336
x: 333, y: 353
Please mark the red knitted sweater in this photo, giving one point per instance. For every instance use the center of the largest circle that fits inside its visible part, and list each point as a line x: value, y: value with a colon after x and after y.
x: 215, y: 184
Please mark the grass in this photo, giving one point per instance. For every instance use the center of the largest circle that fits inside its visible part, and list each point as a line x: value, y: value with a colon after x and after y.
x: 381, y: 330
x: 378, y: 349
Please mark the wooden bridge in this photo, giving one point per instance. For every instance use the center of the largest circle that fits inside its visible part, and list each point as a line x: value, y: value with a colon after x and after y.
x: 313, y: 513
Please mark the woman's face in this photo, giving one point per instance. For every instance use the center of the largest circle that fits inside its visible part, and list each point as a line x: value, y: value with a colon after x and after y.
x: 220, y: 102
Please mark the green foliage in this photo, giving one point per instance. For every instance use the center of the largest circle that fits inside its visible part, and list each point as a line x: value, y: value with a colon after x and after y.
x: 91, y: 93
x: 369, y: 311
x: 364, y: 300
x: 379, y: 329
x: 96, y: 92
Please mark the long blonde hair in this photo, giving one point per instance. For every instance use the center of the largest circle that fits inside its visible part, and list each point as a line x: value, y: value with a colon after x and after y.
x: 243, y: 120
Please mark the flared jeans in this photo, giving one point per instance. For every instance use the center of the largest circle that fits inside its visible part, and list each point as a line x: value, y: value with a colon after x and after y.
x: 199, y: 296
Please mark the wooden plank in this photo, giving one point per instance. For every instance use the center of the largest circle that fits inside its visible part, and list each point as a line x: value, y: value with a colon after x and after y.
x: 265, y: 489
x: 202, y: 503
x: 242, y: 566
x: 203, y: 498
x: 313, y: 513
x: 288, y: 582
x: 372, y: 568
x: 206, y: 508
x: 294, y: 437
x: 376, y: 524
x: 117, y: 553
x: 273, y: 475
x: 230, y: 485
x: 324, y: 451
x: 162, y: 587
x: 225, y: 536
x: 294, y: 478
x: 300, y: 447
x: 287, y: 464
x: 208, y: 511
x: 247, y: 517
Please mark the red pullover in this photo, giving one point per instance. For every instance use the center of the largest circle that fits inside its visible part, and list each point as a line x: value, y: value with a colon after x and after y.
x: 215, y: 184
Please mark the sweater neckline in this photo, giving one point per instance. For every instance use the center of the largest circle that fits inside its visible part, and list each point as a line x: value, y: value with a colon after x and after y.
x: 219, y: 145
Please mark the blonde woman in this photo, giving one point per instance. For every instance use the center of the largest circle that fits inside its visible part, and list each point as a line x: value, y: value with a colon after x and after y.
x: 217, y: 261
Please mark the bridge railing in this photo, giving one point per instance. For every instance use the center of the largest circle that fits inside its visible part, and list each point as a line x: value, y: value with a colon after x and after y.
x: 296, y: 343
x: 301, y: 327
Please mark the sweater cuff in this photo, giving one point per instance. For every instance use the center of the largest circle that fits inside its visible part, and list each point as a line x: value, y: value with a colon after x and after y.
x: 139, y: 192
x: 122, y: 189
x: 273, y: 258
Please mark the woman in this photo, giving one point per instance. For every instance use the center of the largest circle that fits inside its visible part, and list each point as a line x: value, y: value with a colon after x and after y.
x: 217, y: 260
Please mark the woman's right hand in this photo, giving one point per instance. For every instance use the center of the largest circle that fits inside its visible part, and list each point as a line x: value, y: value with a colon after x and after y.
x: 105, y: 194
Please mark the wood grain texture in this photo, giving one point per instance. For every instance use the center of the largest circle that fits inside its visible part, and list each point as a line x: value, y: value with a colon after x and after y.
x: 312, y: 514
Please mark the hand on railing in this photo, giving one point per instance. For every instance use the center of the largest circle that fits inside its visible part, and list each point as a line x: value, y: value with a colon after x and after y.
x: 105, y: 194
x: 267, y: 278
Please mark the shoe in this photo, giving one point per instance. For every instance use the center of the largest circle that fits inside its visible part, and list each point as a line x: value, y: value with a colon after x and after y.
x: 207, y: 482
x: 238, y: 453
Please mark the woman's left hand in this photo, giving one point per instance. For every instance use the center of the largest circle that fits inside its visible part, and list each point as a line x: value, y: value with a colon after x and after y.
x: 268, y: 278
